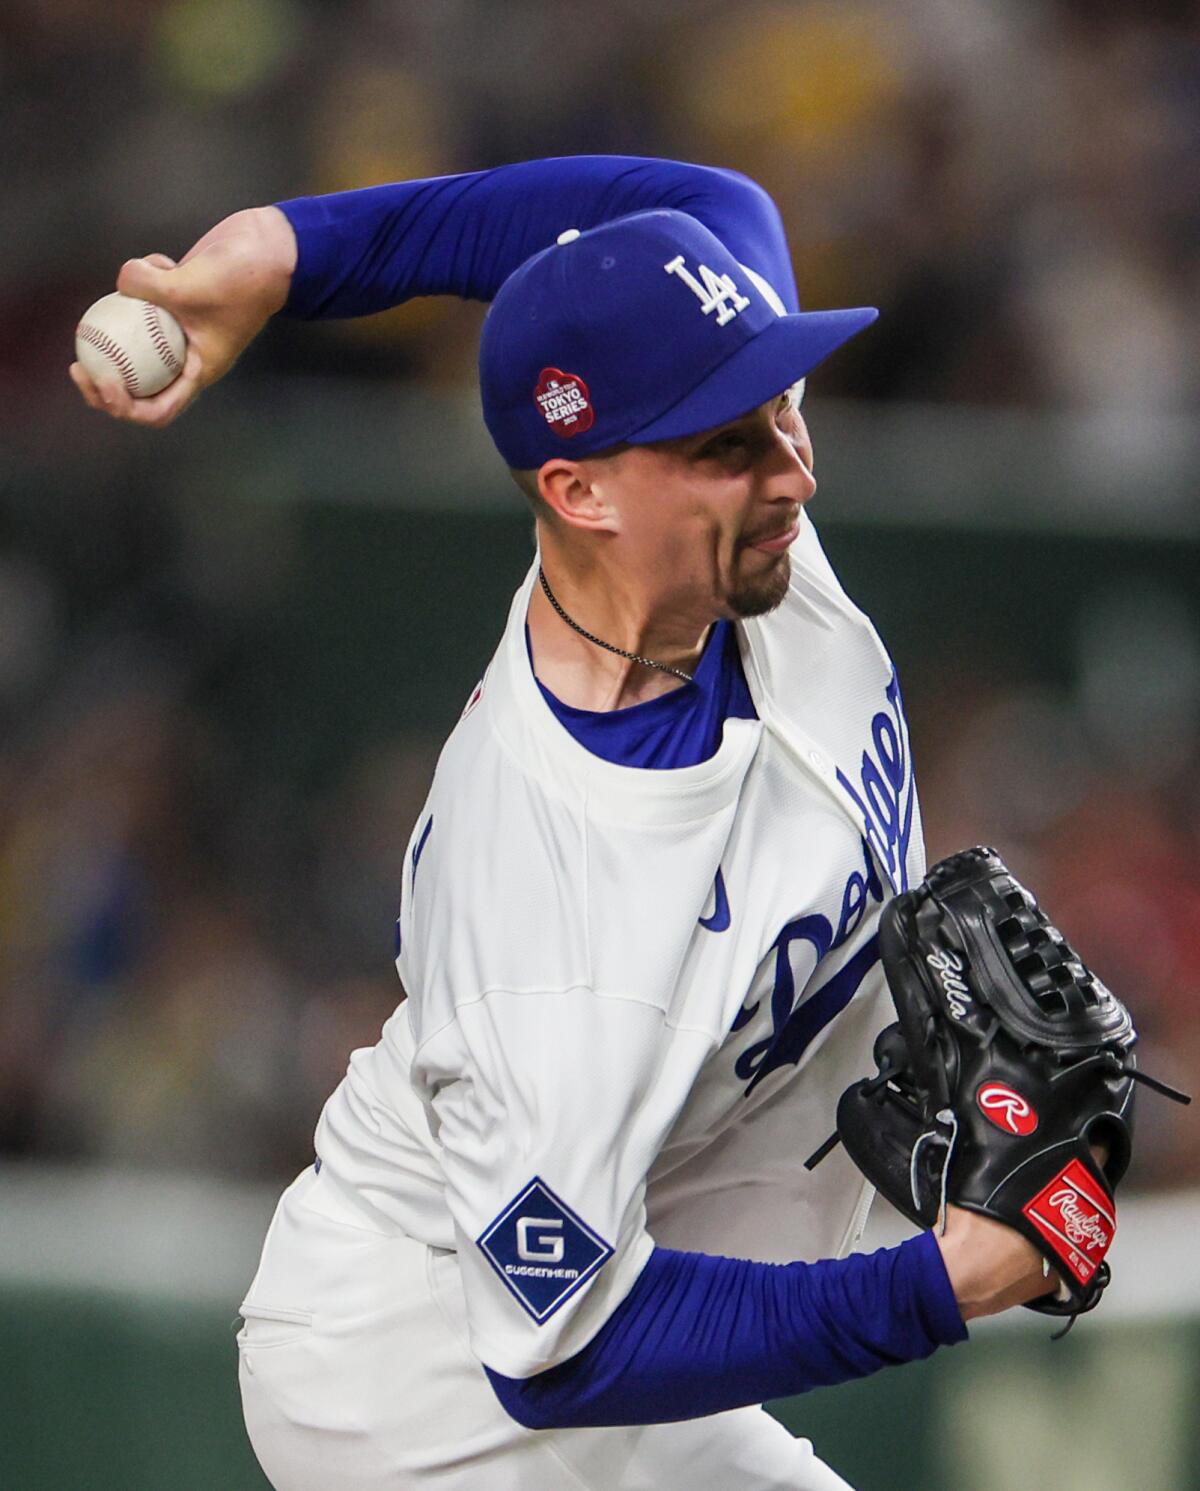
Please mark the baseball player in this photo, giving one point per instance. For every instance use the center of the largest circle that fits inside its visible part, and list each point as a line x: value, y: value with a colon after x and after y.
x: 559, y: 1233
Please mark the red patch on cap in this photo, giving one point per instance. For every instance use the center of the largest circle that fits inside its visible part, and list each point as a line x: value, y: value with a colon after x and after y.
x: 1077, y: 1219
x: 565, y: 402
x: 1007, y: 1109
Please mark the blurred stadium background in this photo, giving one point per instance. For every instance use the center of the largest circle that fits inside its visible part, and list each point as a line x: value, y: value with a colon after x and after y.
x: 229, y: 652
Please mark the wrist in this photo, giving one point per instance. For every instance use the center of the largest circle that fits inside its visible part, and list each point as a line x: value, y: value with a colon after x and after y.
x: 275, y: 253
x: 991, y: 1267
x: 249, y: 258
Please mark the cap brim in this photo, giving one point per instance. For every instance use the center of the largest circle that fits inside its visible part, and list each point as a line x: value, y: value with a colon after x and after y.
x: 779, y: 355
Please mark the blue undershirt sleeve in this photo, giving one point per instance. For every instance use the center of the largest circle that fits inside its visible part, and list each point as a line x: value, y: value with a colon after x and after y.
x: 698, y: 1335
x: 363, y: 251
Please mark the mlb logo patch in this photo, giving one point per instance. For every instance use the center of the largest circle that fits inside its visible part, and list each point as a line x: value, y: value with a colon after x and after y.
x: 541, y: 1250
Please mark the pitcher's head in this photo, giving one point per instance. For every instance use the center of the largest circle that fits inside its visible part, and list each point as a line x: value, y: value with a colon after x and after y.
x: 636, y: 376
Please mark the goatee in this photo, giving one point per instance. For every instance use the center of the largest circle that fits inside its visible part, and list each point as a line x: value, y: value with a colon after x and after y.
x: 757, y: 597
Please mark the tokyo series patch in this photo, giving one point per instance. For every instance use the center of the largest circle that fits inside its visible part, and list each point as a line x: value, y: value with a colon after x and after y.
x: 565, y: 402
x: 541, y: 1250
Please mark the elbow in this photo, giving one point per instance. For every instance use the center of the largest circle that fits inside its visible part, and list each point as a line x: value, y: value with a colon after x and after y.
x: 752, y: 191
x: 735, y: 187
x: 522, y: 1400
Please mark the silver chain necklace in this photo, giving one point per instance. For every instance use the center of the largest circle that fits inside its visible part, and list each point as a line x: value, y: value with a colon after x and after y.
x: 634, y: 657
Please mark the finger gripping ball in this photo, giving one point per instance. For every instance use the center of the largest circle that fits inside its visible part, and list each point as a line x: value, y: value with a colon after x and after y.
x: 133, y: 340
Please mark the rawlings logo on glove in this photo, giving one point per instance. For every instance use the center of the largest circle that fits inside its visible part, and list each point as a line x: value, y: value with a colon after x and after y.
x: 1008, y: 1110
x: 1010, y: 1067
x: 1075, y: 1220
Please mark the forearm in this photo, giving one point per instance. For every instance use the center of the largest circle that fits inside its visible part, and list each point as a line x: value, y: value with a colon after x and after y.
x: 363, y: 251
x: 699, y: 1335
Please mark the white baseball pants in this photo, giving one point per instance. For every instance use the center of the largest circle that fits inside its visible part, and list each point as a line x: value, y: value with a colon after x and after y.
x: 356, y: 1374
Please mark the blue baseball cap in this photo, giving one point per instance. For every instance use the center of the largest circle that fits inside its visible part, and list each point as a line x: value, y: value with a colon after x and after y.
x: 646, y: 328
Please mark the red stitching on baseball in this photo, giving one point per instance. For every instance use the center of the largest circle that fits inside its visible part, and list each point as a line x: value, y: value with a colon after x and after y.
x: 150, y: 315
x: 108, y: 348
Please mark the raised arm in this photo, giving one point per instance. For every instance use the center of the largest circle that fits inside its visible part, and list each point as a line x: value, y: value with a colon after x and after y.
x: 364, y: 251
x: 358, y: 252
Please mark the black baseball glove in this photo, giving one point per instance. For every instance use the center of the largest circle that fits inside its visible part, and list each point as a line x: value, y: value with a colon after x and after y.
x: 1009, y: 1062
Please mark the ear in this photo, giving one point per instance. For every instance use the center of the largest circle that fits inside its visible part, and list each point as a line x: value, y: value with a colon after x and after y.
x: 577, y: 493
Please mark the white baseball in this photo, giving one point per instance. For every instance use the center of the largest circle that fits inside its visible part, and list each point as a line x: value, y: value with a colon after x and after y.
x: 134, y: 340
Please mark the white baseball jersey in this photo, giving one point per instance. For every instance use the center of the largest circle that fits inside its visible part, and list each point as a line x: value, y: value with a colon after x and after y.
x: 634, y: 996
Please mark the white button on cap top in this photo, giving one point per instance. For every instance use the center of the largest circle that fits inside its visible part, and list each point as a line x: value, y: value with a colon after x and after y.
x: 568, y: 236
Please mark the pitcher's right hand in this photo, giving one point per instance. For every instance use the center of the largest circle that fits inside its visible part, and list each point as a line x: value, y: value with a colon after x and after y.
x: 222, y: 292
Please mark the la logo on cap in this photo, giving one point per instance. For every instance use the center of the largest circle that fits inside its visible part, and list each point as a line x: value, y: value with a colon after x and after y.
x: 565, y: 402
x: 719, y: 292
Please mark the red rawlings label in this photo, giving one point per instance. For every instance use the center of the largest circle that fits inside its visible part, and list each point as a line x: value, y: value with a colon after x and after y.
x: 565, y: 402
x: 1007, y: 1109
x: 1076, y: 1218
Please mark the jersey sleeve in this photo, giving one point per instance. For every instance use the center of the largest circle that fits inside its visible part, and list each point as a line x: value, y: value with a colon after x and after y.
x: 549, y: 1109
x: 364, y: 251
x: 699, y: 1335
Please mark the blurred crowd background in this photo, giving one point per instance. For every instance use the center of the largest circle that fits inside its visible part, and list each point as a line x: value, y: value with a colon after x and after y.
x: 220, y: 703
